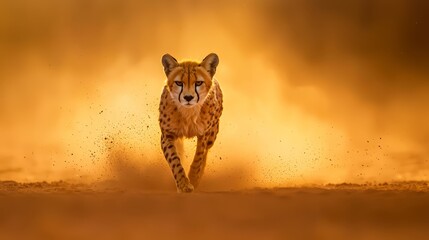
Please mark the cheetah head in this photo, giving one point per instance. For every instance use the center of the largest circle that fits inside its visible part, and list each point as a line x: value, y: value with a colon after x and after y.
x: 189, y: 82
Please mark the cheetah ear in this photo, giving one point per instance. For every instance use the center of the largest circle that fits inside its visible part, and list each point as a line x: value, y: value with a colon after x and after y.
x: 169, y: 63
x: 210, y: 63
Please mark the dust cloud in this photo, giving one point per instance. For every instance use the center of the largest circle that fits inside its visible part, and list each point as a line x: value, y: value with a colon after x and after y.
x: 315, y: 91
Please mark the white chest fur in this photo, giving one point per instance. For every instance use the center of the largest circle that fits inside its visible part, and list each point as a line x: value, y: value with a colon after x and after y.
x: 190, y: 123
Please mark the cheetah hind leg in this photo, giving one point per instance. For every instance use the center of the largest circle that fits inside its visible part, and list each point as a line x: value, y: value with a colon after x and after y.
x: 199, y: 163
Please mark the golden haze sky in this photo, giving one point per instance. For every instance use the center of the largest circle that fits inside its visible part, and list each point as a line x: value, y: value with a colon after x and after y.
x: 315, y: 91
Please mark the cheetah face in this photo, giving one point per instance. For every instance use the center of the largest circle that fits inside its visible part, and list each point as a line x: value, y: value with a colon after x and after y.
x: 189, y: 82
x: 189, y: 89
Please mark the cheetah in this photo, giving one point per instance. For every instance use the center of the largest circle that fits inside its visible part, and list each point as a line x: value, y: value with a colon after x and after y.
x: 190, y: 106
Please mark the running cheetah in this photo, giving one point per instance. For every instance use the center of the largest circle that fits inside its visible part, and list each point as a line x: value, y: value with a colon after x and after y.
x: 191, y: 105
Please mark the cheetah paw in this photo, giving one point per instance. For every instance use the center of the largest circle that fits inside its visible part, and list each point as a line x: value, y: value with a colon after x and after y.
x: 186, y: 188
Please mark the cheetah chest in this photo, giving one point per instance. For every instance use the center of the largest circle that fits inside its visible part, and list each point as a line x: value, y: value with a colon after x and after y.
x: 190, y: 123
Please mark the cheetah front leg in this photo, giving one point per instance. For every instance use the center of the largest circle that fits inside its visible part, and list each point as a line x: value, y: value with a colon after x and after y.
x: 173, y: 159
x: 204, y: 143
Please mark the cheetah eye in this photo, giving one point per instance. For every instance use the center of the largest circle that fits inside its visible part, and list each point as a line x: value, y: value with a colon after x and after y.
x: 178, y: 83
x: 198, y: 83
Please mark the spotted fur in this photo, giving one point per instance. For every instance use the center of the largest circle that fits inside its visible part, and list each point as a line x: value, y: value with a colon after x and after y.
x: 190, y: 106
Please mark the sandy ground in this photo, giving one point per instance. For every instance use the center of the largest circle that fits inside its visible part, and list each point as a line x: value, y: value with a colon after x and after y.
x: 62, y: 210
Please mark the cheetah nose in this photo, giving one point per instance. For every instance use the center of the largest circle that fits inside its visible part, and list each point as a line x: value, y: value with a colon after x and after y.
x: 188, y: 98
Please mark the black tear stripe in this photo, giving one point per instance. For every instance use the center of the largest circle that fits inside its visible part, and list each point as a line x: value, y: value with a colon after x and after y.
x: 181, y: 90
x: 198, y: 95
